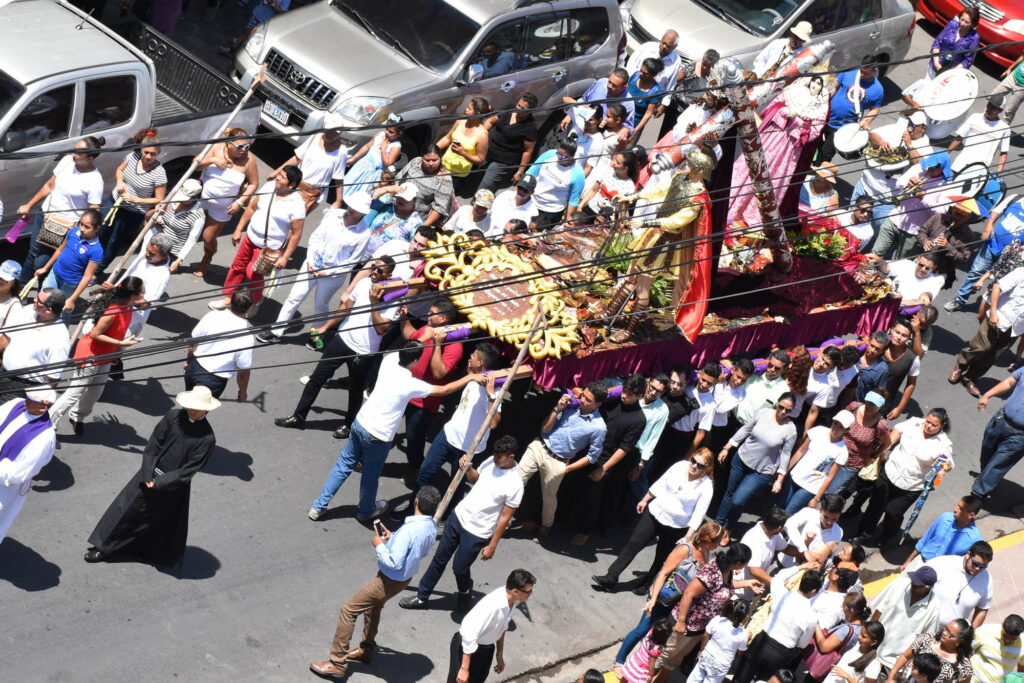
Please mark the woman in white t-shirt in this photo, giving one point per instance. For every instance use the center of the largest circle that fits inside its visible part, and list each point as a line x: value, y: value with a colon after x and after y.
x: 918, y: 445
x: 76, y: 185
x: 273, y: 221
x: 860, y: 664
x: 815, y: 464
x: 618, y: 178
x: 723, y: 637
x: 322, y: 159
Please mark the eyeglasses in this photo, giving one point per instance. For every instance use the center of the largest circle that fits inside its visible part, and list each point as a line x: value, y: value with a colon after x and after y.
x: 37, y: 302
x: 563, y: 157
x: 525, y: 591
x: 979, y: 565
x: 377, y: 269
x: 244, y: 147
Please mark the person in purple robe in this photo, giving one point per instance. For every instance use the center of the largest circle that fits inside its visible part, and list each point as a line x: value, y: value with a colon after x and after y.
x: 27, y: 442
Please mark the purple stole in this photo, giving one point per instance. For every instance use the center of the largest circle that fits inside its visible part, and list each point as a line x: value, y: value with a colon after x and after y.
x: 13, y: 446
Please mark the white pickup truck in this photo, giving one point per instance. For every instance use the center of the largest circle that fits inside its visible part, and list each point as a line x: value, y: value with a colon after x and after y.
x: 64, y: 75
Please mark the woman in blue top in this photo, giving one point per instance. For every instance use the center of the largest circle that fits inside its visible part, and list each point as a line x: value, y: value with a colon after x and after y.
x: 960, y: 33
x: 74, y: 263
x: 647, y: 91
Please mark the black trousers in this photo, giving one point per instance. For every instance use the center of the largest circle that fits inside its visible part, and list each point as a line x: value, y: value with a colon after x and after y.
x: 827, y: 148
x: 336, y: 354
x: 479, y: 661
x: 647, y: 527
x: 889, y: 503
x: 765, y: 656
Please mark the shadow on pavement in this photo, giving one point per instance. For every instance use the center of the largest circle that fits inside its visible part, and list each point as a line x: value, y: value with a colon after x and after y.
x: 26, y: 569
x: 225, y: 463
x: 57, y: 474
x: 196, y: 565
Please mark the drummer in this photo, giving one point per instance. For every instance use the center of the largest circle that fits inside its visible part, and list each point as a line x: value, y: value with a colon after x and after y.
x: 868, y: 97
x: 905, y: 134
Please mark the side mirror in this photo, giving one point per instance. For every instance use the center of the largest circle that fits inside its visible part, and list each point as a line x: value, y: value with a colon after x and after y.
x: 474, y: 72
x: 13, y: 141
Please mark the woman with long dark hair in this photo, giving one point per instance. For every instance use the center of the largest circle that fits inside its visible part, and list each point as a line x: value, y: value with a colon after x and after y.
x: 434, y: 189
x: 860, y: 663
x: 93, y: 355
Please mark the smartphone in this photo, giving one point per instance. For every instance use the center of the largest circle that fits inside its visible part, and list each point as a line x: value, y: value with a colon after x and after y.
x: 378, y: 526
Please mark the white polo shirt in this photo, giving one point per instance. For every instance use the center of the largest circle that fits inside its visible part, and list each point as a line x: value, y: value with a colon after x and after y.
x: 223, y: 357
x: 396, y: 386
x: 35, y: 345
x: 792, y: 621
x: 701, y: 418
x: 958, y: 592
x: 479, y: 511
x: 762, y: 552
x: 810, y: 471
x: 357, y: 330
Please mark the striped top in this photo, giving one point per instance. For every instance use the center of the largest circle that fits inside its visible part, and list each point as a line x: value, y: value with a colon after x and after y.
x: 183, y: 228
x: 141, y: 184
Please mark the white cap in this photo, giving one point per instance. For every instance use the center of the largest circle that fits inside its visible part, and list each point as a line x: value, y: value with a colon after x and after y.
x: 845, y: 418
x: 41, y: 394
x: 358, y: 201
x: 918, y: 118
x: 407, y: 192
x: 189, y: 190
x: 10, y: 270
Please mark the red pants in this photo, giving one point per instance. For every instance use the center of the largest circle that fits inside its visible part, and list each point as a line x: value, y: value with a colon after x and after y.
x: 241, y: 275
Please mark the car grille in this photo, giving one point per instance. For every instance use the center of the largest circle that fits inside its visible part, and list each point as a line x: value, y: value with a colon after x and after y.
x: 986, y: 10
x: 298, y: 113
x: 301, y: 84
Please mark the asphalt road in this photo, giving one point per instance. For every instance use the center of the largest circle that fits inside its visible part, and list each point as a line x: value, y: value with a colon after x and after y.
x: 259, y: 589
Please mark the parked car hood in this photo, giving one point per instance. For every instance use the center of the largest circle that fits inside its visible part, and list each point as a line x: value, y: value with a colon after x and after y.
x: 341, y: 53
x: 698, y: 29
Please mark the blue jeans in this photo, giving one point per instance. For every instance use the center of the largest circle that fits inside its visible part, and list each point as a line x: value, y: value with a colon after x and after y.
x: 464, y: 546
x: 38, y: 254
x: 640, y: 630
x: 843, y: 481
x: 116, y: 237
x: 796, y: 497
x: 1002, y: 447
x: 983, y: 262
x: 66, y: 286
x: 744, y: 484
x: 440, y: 452
x: 361, y: 447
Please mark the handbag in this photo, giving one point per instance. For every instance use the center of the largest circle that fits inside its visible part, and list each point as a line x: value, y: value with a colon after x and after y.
x: 820, y: 663
x: 53, y: 231
x: 677, y: 581
x: 264, y: 263
x: 870, y: 472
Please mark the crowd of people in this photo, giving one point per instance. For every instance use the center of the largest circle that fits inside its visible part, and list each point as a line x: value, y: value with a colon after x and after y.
x: 822, y: 444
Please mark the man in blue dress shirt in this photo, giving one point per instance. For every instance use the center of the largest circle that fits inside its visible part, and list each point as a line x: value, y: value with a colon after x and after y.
x: 953, y: 533
x: 398, y: 559
x: 1002, y: 445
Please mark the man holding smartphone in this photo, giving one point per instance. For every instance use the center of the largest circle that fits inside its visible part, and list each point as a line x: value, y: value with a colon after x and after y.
x: 398, y: 559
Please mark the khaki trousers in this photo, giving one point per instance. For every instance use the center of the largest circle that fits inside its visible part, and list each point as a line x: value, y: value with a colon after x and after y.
x: 552, y: 470
x: 368, y: 601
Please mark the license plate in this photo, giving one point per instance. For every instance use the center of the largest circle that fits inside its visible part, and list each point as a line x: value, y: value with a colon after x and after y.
x: 276, y: 112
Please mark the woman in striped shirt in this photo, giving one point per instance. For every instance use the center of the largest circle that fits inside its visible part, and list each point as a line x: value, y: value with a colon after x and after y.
x: 141, y: 184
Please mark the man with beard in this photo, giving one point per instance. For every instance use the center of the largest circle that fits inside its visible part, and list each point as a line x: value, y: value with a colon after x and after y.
x: 150, y: 515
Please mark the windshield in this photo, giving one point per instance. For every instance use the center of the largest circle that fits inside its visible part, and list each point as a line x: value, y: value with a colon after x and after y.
x: 431, y: 33
x: 762, y: 17
x: 10, y: 92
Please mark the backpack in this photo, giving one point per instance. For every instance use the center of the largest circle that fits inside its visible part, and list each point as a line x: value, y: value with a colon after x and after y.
x: 677, y: 581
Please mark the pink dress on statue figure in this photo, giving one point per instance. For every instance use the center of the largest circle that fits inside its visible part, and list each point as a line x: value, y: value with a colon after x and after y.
x: 790, y: 128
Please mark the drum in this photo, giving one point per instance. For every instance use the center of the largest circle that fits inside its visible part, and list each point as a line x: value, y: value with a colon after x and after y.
x: 947, y: 101
x: 850, y: 140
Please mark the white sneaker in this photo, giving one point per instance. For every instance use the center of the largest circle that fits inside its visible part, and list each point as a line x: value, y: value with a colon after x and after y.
x: 314, y: 513
x: 951, y: 306
x: 217, y: 305
x: 304, y: 379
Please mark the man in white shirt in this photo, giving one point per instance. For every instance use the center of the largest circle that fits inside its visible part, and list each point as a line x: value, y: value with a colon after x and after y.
x: 698, y: 423
x: 336, y: 247
x: 35, y: 339
x: 153, y: 268
x: 815, y: 533
x: 964, y: 586
x: 477, y: 525
x: 878, y: 181
x: 373, y: 429
x: 1005, y: 320
x: 665, y: 51
x: 776, y: 52
x: 27, y: 442
x: 481, y: 637
x: 765, y: 540
x: 517, y: 203
x: 907, y: 606
x: 357, y: 341
x: 764, y: 389
x: 212, y: 363
x: 790, y: 628
x: 915, y: 281
x: 982, y: 136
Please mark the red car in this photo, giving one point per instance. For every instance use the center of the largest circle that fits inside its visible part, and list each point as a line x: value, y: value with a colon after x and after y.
x: 1001, y: 21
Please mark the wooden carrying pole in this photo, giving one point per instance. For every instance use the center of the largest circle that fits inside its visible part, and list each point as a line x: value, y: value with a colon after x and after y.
x: 538, y: 320
x: 123, y: 261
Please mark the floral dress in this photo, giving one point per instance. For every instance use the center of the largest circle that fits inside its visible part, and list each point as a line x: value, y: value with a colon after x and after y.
x: 952, y: 672
x: 708, y: 604
x: 862, y: 440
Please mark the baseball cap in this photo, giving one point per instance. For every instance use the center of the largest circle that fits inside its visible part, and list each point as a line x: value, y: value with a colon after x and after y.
x: 483, y: 198
x: 875, y: 399
x: 408, y: 193
x: 333, y: 121
x: 918, y: 118
x: 844, y: 417
x: 10, y: 270
x: 41, y: 394
x: 996, y: 101
x: 922, y: 576
x: 528, y: 182
x: 359, y: 201
x: 189, y: 190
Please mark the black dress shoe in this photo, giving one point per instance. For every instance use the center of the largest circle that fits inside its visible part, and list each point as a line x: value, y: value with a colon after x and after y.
x: 93, y: 555
x: 290, y: 422
x: 341, y: 432
x: 463, y: 602
x: 78, y: 427
x: 603, y: 582
x: 869, y: 540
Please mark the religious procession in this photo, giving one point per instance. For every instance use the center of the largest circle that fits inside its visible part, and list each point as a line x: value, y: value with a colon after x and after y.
x: 638, y: 322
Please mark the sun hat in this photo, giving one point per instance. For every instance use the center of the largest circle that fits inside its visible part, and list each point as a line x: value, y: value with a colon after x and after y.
x: 200, y: 398
x: 802, y: 30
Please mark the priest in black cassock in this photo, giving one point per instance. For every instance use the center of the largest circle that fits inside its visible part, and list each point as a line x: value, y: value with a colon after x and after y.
x: 149, y: 518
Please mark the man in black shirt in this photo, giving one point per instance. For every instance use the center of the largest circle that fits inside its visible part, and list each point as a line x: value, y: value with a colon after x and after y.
x: 673, y: 443
x: 624, y: 425
x: 510, y: 145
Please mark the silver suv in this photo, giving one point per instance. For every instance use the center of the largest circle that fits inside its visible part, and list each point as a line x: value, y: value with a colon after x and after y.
x: 740, y: 28
x: 365, y: 59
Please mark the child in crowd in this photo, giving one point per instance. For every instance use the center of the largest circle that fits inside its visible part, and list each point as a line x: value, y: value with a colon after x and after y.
x: 639, y: 668
x: 723, y: 638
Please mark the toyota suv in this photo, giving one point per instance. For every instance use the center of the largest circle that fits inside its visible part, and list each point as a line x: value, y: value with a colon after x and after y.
x: 741, y: 28
x: 365, y: 59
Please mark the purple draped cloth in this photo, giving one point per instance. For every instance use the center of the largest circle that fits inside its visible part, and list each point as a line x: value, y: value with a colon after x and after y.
x: 17, y: 441
x: 788, y: 145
